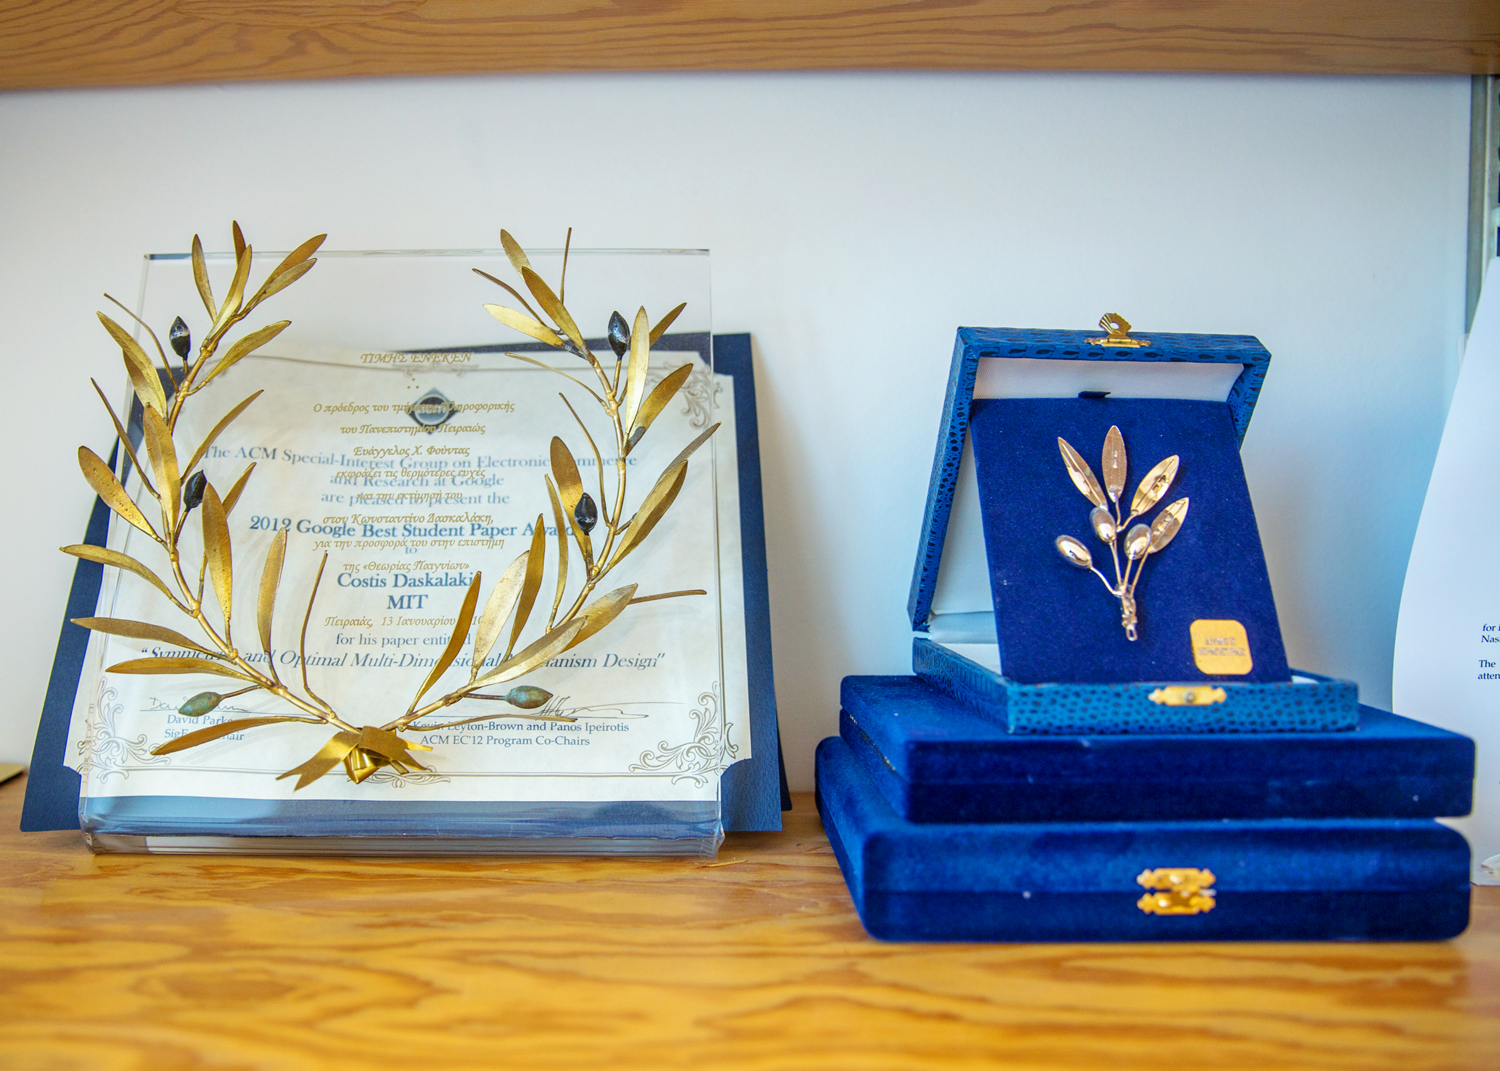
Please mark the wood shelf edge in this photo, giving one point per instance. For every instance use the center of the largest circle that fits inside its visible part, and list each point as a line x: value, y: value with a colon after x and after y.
x: 76, y: 43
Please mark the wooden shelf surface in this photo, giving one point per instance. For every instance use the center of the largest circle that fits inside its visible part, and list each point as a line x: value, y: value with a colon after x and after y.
x: 49, y: 43
x: 753, y: 962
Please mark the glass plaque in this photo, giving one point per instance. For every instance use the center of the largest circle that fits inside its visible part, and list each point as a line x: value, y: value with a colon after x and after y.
x: 411, y: 459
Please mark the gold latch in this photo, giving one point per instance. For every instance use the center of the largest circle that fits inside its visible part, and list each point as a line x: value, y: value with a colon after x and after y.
x: 1176, y: 890
x: 1118, y: 329
x: 1187, y: 695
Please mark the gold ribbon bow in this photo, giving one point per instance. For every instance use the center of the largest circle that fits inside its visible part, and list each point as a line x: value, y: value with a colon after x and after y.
x: 361, y: 753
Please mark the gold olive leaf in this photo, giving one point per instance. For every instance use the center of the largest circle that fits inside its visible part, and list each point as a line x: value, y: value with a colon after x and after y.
x: 239, y: 486
x: 208, y: 440
x: 640, y: 363
x: 141, y: 369
x: 1167, y: 524
x: 531, y: 583
x: 270, y: 580
x: 306, y: 620
x: 692, y: 447
x: 658, y: 500
x: 553, y: 307
x: 527, y: 325
x: 569, y: 490
x: 666, y: 322
x: 243, y: 348
x: 235, y: 298
x: 456, y: 640
x: 223, y: 728
x: 602, y: 611
x: 200, y: 278
x: 105, y: 556
x: 124, y: 439
x: 147, y: 328
x: 1113, y: 464
x: 1080, y: 473
x: 1153, y: 486
x: 293, y: 266
x: 548, y: 368
x: 216, y: 550
x: 141, y: 630
x: 565, y: 471
x: 163, y: 455
x: 539, y: 653
x: 497, y: 608
x: 177, y: 664
x: 514, y: 253
x: 280, y: 281
x: 656, y: 401
x: 102, y: 479
x: 562, y: 545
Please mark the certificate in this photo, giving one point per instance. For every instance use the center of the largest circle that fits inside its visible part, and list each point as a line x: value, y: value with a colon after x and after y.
x: 438, y: 567
x: 1447, y: 660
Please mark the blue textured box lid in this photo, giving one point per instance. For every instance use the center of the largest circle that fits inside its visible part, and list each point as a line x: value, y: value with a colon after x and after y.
x: 1274, y: 879
x: 951, y: 590
x: 970, y: 673
x: 935, y: 760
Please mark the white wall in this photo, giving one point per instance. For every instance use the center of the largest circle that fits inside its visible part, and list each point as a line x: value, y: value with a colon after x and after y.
x: 855, y: 220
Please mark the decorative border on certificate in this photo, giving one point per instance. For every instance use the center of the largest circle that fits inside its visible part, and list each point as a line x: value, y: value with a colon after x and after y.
x: 706, y: 755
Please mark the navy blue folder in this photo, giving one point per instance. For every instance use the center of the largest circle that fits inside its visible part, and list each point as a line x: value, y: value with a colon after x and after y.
x: 753, y: 791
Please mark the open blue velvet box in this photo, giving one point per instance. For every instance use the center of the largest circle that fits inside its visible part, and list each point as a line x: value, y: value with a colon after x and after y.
x: 1007, y: 626
x: 935, y: 760
x: 1101, y: 788
x: 1283, y: 879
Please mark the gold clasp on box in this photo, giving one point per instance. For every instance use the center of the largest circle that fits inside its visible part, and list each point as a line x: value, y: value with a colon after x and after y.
x: 1176, y: 890
x: 1187, y: 695
x: 1118, y: 329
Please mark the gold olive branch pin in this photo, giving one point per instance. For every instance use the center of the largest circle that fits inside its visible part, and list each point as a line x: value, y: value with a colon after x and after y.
x: 1141, y: 540
x: 179, y: 488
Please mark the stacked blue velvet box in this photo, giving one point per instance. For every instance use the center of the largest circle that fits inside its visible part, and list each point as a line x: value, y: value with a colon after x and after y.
x: 1043, y: 776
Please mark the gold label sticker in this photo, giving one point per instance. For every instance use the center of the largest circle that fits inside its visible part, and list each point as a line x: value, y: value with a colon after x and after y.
x: 1221, y: 647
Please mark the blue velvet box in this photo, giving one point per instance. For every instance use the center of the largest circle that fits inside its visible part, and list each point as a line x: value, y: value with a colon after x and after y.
x: 934, y: 760
x: 1269, y: 879
x: 1007, y: 626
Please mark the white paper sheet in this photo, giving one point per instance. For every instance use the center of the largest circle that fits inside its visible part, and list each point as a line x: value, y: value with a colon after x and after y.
x: 1447, y: 664
x: 660, y: 711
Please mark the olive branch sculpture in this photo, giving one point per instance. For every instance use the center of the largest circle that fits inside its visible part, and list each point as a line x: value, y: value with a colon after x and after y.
x: 1141, y: 540
x: 178, y: 489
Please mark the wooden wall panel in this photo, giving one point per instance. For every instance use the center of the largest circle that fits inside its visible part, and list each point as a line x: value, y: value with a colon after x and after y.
x: 46, y: 43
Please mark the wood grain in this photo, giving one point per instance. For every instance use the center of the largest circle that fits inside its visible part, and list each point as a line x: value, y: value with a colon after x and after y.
x: 754, y: 962
x: 45, y: 43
